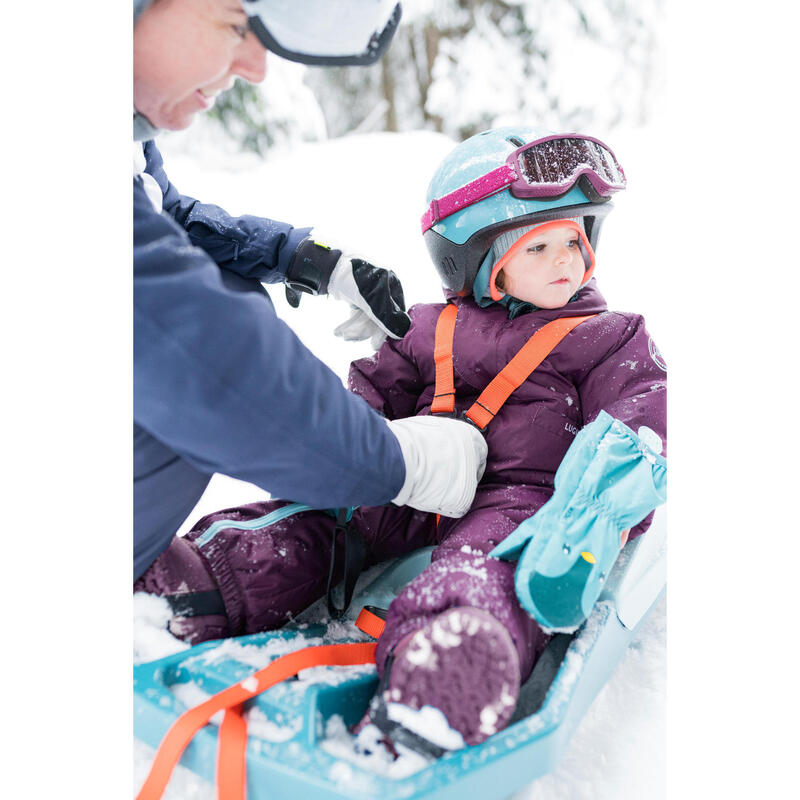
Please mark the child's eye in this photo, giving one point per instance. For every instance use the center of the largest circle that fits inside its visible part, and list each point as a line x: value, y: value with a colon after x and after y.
x: 572, y: 243
x: 536, y: 248
x: 240, y: 30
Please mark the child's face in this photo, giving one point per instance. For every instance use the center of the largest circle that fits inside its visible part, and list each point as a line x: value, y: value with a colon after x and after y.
x: 548, y: 270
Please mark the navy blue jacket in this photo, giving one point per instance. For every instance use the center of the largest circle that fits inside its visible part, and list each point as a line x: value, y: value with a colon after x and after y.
x: 221, y: 384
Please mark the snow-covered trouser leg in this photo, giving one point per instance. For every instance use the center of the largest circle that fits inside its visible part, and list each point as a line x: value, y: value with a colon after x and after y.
x: 268, y: 575
x: 181, y: 575
x: 462, y: 575
x: 456, y: 638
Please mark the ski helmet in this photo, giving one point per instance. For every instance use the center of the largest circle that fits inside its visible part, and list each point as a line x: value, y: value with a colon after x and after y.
x: 508, y: 178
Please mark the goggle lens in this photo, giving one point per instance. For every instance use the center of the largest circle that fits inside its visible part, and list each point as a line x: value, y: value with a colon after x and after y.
x: 554, y: 163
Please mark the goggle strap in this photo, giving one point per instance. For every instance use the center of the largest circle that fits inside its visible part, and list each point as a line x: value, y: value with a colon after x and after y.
x: 507, y: 175
x: 466, y: 195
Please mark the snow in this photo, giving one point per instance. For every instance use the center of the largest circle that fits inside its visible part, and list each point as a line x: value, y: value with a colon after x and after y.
x: 151, y: 639
x: 650, y: 439
x: 428, y: 722
x: 367, y: 751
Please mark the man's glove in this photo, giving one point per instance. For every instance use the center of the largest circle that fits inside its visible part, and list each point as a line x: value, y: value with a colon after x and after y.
x: 445, y: 458
x: 375, y: 294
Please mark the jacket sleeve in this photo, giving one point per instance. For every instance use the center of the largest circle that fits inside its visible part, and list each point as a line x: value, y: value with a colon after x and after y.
x: 253, y: 247
x: 224, y: 383
x: 389, y: 380
x: 630, y: 383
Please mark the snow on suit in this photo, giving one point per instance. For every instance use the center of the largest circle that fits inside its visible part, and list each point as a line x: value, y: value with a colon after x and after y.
x: 221, y: 384
x: 609, y: 362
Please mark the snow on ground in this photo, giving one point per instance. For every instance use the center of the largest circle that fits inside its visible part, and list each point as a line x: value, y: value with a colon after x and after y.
x: 368, y: 192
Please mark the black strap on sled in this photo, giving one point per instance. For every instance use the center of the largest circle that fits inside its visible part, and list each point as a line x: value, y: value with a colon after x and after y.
x: 397, y: 733
x: 533, y: 692
x: 355, y: 557
x: 196, y: 604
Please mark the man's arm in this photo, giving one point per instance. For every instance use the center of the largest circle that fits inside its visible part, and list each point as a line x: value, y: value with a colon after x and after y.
x: 224, y: 383
x: 254, y: 247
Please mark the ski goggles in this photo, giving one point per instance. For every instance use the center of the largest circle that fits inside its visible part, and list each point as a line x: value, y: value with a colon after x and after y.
x: 545, y: 168
x: 321, y: 32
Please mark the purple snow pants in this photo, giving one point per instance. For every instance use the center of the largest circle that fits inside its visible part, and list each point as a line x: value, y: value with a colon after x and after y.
x: 267, y: 576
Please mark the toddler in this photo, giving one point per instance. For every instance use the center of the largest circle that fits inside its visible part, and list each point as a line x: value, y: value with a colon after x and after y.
x: 512, y: 224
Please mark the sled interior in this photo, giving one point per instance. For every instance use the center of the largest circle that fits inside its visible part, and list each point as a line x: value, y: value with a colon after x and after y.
x: 287, y: 757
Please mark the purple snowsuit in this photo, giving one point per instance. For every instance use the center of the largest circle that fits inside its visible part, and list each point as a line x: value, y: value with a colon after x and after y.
x: 609, y: 362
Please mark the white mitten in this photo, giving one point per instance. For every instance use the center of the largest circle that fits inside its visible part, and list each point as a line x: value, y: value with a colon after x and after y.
x: 445, y: 458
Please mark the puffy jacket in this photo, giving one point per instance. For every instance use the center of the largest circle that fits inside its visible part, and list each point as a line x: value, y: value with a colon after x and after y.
x: 609, y: 362
x: 221, y: 384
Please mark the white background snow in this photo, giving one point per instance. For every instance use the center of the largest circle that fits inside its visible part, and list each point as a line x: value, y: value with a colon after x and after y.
x: 715, y: 276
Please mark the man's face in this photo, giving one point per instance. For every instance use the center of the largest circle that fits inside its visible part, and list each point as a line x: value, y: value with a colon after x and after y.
x: 187, y: 51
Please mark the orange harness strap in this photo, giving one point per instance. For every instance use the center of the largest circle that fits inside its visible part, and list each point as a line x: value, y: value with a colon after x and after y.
x: 511, y: 377
x: 444, y: 397
x: 517, y: 371
x: 232, y: 736
x: 370, y: 623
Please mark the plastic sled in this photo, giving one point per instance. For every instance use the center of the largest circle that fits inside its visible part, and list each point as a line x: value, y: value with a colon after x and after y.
x: 286, y: 756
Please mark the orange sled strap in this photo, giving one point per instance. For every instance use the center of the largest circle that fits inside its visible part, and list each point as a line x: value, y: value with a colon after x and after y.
x: 511, y: 377
x: 232, y: 736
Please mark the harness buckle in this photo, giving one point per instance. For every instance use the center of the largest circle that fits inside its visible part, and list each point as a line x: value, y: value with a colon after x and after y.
x: 463, y: 416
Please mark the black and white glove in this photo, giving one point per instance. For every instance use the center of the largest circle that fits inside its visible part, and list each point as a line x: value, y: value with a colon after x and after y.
x: 445, y: 458
x: 374, y: 293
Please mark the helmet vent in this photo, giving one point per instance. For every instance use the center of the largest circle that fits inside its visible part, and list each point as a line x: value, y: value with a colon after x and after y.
x: 449, y: 266
x: 517, y: 142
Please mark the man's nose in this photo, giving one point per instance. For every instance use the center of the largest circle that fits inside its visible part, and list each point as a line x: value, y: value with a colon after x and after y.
x: 250, y: 62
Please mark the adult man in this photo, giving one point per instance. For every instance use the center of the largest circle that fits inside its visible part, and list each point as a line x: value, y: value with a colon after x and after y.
x: 220, y: 383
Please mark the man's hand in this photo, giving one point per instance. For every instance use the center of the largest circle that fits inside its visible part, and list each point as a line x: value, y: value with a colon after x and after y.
x: 445, y: 458
x: 374, y: 294
x: 376, y: 297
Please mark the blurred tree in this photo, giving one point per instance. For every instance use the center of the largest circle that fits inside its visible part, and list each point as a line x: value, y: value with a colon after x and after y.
x: 460, y: 66
x: 242, y: 113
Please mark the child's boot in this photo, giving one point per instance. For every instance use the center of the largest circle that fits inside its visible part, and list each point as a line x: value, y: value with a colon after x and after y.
x: 180, y: 575
x: 463, y: 663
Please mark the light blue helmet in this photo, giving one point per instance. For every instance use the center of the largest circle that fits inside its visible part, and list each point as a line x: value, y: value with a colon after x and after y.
x: 459, y: 242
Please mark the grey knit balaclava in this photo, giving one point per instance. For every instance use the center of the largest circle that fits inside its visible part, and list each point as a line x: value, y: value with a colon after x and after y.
x: 503, y: 242
x: 143, y: 129
x: 501, y: 245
